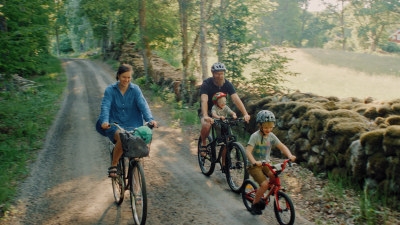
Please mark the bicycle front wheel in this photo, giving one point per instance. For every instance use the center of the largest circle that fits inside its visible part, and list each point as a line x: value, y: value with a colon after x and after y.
x: 118, y: 184
x: 138, y: 193
x: 207, y: 161
x: 236, y: 164
x: 284, y: 209
x: 248, y: 193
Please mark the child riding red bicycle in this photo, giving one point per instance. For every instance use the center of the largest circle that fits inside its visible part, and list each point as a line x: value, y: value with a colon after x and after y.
x: 258, y: 150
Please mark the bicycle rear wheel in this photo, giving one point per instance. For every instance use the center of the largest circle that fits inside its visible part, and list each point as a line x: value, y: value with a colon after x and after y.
x: 236, y: 164
x: 118, y: 184
x: 285, y: 213
x: 207, y: 162
x: 248, y: 193
x: 138, y: 193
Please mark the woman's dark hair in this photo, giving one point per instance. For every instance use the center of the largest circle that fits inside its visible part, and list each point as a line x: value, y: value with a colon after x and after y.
x: 122, y: 69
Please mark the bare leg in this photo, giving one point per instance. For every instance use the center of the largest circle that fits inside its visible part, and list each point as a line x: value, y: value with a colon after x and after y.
x: 117, y: 149
x: 205, y: 131
x: 223, y: 156
x: 260, y: 192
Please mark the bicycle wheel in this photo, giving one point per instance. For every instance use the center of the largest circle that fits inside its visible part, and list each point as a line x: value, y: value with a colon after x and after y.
x: 206, y: 163
x: 236, y: 164
x: 138, y: 193
x: 248, y: 193
x: 286, y: 214
x: 118, y: 184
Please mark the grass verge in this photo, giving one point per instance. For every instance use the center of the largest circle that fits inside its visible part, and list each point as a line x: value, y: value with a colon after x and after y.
x: 25, y: 117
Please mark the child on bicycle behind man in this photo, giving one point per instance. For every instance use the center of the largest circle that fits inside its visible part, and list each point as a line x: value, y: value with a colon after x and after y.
x: 259, y: 149
x: 220, y: 110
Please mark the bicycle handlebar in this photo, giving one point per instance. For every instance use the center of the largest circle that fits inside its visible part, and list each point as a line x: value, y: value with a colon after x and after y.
x: 279, y: 167
x: 229, y: 120
x: 150, y: 125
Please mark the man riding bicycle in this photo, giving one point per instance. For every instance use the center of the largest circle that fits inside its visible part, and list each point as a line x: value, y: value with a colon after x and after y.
x: 210, y: 86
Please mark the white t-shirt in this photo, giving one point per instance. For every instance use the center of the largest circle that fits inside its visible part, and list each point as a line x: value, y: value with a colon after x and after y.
x: 263, y: 145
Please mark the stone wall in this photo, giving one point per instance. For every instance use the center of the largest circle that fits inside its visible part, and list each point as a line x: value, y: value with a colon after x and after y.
x: 350, y: 137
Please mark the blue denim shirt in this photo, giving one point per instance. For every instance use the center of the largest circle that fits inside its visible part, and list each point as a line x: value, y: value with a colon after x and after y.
x: 128, y: 110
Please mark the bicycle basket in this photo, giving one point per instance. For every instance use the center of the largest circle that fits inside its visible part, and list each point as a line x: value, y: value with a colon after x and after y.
x: 133, y: 146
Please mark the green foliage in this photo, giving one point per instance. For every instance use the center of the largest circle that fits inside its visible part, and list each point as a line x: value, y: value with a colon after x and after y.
x: 65, y: 45
x: 20, y: 134
x: 283, y: 24
x: 314, y: 33
x: 271, y: 74
x: 390, y: 47
x: 24, y: 36
x: 232, y: 28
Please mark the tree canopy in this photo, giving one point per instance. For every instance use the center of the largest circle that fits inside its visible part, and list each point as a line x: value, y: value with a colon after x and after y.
x: 230, y: 30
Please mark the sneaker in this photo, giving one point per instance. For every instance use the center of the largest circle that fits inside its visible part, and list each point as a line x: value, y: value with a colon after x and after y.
x: 261, y: 204
x: 255, y: 210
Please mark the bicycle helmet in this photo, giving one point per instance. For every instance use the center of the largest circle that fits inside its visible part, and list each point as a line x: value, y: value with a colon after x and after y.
x: 216, y: 96
x: 218, y: 67
x: 265, y: 116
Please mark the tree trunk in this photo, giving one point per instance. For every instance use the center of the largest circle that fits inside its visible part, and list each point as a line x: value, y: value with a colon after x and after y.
x: 185, y: 49
x: 221, y: 38
x: 203, y: 43
x: 144, y: 45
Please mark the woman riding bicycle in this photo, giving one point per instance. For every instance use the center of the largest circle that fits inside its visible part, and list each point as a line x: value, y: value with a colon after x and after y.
x: 123, y: 103
x: 259, y: 149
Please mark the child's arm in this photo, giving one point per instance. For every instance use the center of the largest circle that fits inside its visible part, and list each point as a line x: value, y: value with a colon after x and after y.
x: 285, y: 150
x: 233, y: 114
x: 214, y: 113
x: 249, y: 150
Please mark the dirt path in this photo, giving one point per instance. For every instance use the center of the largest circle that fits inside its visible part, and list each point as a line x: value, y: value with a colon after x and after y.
x: 68, y: 183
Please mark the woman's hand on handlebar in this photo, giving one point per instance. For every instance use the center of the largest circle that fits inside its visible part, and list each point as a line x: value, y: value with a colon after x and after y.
x: 153, y: 123
x: 105, y: 125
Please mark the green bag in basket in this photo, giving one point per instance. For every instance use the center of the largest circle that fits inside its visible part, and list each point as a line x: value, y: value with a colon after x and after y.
x: 145, y: 133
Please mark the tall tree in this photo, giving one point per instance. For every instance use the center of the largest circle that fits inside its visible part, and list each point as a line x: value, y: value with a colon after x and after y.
x: 24, y: 36
x: 234, y: 43
x: 375, y: 18
x: 59, y: 22
x: 338, y: 11
x: 203, y: 43
x: 144, y: 41
x: 284, y: 24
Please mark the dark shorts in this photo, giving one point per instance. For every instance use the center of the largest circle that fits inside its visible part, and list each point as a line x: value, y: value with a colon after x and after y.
x: 107, y: 133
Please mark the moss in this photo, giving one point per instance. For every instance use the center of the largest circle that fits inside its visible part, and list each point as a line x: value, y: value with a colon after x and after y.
x: 371, y: 113
x: 302, y: 108
x: 391, y: 141
x: 330, y: 106
x: 379, y: 120
x: 393, y: 120
x: 384, y: 110
x: 347, y: 114
x: 374, y: 137
x: 396, y: 108
x: 377, y: 165
x: 317, y: 115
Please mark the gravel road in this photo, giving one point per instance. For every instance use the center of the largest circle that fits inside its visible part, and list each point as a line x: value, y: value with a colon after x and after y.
x: 69, y: 185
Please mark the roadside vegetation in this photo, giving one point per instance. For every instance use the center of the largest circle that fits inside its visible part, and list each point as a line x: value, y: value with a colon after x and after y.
x: 25, y: 117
